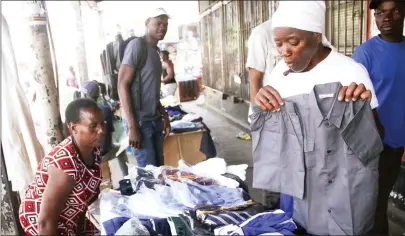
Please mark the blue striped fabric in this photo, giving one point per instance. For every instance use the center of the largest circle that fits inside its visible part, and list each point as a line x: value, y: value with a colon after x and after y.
x: 228, y: 218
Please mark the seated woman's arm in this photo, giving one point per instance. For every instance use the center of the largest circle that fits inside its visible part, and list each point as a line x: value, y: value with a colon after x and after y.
x: 57, y: 191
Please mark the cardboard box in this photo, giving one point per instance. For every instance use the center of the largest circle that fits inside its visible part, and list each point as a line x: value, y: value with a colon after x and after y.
x: 184, y: 146
x: 106, y: 176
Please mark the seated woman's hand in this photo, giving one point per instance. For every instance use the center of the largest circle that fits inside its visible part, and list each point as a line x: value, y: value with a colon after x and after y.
x: 354, y: 92
x: 269, y: 99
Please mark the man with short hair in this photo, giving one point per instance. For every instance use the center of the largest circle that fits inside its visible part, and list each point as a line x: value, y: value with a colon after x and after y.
x: 139, y: 93
x: 92, y: 91
x: 262, y: 57
x: 384, y: 58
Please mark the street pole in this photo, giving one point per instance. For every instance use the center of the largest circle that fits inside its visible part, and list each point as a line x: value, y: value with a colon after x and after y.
x: 80, y: 43
x: 46, y: 91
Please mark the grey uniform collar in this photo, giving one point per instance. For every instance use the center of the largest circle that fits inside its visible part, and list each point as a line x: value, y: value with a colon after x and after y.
x: 336, y: 111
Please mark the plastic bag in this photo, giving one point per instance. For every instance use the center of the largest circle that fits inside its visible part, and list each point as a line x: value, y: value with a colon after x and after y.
x: 212, y: 166
x: 148, y: 177
x: 191, y: 194
x: 191, y: 118
x: 213, y: 169
x: 132, y: 227
x: 170, y: 173
x: 238, y: 170
x: 158, y: 202
x: 112, y: 205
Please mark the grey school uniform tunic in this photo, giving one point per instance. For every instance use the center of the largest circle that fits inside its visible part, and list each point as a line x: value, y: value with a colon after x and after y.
x: 325, y: 154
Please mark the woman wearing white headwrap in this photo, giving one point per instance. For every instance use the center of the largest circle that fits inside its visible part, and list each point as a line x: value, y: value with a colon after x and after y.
x: 309, y: 60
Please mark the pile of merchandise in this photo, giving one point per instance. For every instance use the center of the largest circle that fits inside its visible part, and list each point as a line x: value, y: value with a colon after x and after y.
x: 209, y: 198
x: 182, y: 122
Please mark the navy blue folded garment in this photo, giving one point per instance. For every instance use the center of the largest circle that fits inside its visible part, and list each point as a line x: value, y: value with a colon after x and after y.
x: 269, y: 222
x: 111, y: 226
x: 207, y: 145
x: 157, y: 226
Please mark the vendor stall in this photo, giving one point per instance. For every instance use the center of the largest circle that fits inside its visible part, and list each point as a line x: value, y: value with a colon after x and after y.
x: 190, y: 139
x: 204, y: 199
x: 194, y: 193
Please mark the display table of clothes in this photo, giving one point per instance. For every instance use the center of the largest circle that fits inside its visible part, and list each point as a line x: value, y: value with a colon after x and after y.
x: 209, y: 198
x: 190, y: 139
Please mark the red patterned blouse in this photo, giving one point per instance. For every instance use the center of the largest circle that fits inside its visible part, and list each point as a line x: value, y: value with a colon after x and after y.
x: 64, y: 157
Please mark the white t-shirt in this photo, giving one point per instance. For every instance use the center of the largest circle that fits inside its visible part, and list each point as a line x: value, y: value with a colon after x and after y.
x: 262, y: 52
x: 335, y: 67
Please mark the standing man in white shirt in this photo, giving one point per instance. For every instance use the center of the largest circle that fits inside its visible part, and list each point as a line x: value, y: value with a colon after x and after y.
x: 261, y: 59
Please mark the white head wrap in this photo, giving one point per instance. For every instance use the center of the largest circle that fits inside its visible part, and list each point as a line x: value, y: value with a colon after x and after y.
x: 304, y: 15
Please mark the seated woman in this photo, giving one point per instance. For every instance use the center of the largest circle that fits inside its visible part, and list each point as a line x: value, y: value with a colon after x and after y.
x: 68, y: 178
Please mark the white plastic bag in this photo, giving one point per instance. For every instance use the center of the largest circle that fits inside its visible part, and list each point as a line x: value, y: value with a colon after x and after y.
x: 238, y: 170
x: 156, y: 202
x: 212, y: 168
x: 133, y: 227
x: 191, y: 194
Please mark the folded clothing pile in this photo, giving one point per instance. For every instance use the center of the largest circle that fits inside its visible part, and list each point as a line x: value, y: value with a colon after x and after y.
x: 188, y: 200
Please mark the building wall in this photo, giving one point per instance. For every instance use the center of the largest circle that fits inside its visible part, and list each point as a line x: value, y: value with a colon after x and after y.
x: 346, y: 24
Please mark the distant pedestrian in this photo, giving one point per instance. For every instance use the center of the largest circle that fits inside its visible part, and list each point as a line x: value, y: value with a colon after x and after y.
x: 71, y: 80
x: 168, y: 78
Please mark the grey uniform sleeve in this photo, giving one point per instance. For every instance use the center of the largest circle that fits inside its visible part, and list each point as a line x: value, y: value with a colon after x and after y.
x: 132, y: 53
x: 361, y: 134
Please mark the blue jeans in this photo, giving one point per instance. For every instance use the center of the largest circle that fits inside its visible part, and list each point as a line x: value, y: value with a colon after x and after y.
x: 151, y: 151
